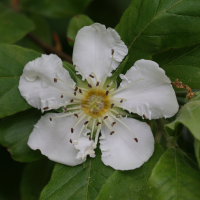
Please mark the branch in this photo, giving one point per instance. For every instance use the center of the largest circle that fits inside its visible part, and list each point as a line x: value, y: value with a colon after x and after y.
x: 49, y: 48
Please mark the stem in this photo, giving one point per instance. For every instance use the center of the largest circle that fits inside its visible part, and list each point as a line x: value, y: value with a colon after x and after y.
x: 49, y: 48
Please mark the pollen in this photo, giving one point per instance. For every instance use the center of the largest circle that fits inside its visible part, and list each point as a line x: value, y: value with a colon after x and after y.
x: 96, y: 103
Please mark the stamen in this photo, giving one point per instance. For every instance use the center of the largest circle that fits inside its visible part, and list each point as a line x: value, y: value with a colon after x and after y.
x: 94, y: 77
x: 121, y: 101
x: 68, y: 114
x: 107, y: 92
x: 113, y: 124
x: 72, y: 130
x: 97, y: 136
x: 79, y: 120
x: 65, y: 109
x: 89, y: 85
x: 71, y: 100
x: 112, y: 132
x: 108, y: 86
x: 61, y: 96
x: 76, y: 89
x: 97, y: 84
x: 135, y: 139
x: 94, y: 120
x: 123, y: 124
x: 74, y: 93
x: 98, y: 123
x: 105, y: 117
x: 144, y: 116
x: 90, y: 138
x: 108, y: 125
x: 55, y: 80
x: 80, y: 90
x: 112, y: 105
x: 76, y: 115
x: 46, y: 108
x: 122, y: 88
x: 50, y: 119
x: 86, y: 123
x: 112, y: 53
x: 75, y: 66
x: 74, y: 108
x: 70, y: 140
x: 91, y: 76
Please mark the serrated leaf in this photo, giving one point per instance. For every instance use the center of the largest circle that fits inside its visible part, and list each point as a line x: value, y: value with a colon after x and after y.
x: 197, y: 150
x: 15, y: 131
x: 35, y: 176
x: 77, y: 182
x: 12, y: 62
x: 183, y: 64
x: 148, y: 27
x: 14, y: 26
x: 58, y: 9
x: 132, y: 184
x: 173, y: 179
x: 75, y: 24
x: 188, y: 116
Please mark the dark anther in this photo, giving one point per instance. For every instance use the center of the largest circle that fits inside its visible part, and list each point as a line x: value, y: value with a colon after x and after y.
x: 105, y: 117
x: 61, y: 96
x: 98, y: 123
x: 55, y: 80
x: 97, y: 84
x: 65, y: 110
x: 76, y: 115
x: 144, y: 116
x: 121, y: 101
x: 74, y: 93
x: 113, y: 123
x: 112, y: 105
x: 136, y: 139
x: 90, y: 138
x: 107, y: 92
x: 89, y: 85
x: 80, y: 90
x: 46, y: 108
x: 108, y: 86
x: 112, y: 132
x: 70, y: 140
x: 74, y: 66
x: 112, y: 51
x: 50, y: 119
x: 86, y: 122
x: 72, y: 130
x: 76, y: 89
x: 71, y: 100
x: 91, y: 76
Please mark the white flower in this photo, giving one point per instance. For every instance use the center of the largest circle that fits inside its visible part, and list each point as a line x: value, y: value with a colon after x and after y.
x: 70, y: 136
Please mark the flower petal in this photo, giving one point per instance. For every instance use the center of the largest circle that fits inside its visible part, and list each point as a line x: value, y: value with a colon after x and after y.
x: 37, y: 84
x: 52, y: 138
x: 152, y: 96
x: 86, y: 147
x: 120, y: 150
x: 92, y: 50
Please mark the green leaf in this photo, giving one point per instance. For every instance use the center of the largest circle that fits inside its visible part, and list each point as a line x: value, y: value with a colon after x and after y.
x: 197, y: 150
x: 77, y: 182
x: 75, y: 24
x: 14, y: 26
x: 58, y: 9
x: 148, y: 27
x: 12, y: 62
x: 15, y: 131
x: 35, y: 176
x: 183, y: 64
x: 187, y: 116
x: 41, y: 31
x: 132, y: 184
x: 173, y: 179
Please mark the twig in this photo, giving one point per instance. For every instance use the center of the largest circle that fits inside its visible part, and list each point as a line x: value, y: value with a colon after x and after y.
x: 49, y: 48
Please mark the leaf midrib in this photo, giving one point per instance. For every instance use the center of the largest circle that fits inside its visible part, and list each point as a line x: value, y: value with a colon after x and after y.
x: 152, y: 21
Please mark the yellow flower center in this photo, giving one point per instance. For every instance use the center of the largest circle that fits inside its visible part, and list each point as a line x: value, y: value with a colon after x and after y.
x: 96, y: 103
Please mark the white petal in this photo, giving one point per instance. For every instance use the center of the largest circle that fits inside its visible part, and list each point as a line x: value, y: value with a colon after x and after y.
x: 52, y: 138
x: 92, y: 49
x: 153, y: 96
x: 86, y: 147
x: 37, y: 84
x: 121, y: 151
